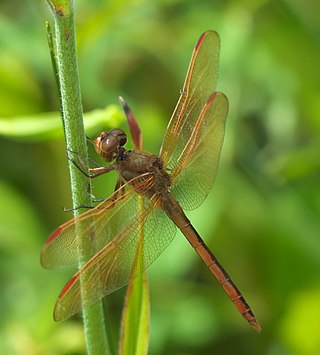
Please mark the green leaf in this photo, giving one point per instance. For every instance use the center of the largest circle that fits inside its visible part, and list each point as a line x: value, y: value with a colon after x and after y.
x: 48, y: 126
x: 136, y: 318
x: 135, y: 323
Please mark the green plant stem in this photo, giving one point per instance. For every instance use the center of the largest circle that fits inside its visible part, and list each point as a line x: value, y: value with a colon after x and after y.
x: 65, y: 46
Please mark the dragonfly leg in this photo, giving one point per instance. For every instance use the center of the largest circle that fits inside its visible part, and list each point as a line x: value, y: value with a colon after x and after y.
x: 84, y: 206
x: 81, y: 160
x: 90, y: 139
x: 113, y: 199
x: 94, y: 162
x: 91, y: 173
x: 76, y: 208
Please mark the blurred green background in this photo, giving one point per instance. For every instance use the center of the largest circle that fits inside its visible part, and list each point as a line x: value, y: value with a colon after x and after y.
x: 262, y: 217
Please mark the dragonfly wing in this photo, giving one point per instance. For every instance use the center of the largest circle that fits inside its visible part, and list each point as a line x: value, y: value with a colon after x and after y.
x: 112, y: 267
x: 196, y: 126
x: 199, y: 83
x: 196, y: 168
x: 91, y: 230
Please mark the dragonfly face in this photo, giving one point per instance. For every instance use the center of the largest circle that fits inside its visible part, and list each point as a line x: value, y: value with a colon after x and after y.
x: 147, y: 199
x: 107, y: 144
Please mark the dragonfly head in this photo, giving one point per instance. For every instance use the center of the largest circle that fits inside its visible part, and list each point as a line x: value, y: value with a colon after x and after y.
x: 107, y: 144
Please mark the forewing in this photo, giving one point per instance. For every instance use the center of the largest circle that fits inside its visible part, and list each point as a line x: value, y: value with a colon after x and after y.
x: 112, y: 267
x: 199, y: 84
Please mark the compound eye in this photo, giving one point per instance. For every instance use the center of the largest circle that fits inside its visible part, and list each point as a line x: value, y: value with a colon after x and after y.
x: 109, y: 143
x: 122, y: 140
x: 120, y: 135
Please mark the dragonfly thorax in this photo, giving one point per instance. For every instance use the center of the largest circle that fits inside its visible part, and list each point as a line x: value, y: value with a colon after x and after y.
x: 144, y: 169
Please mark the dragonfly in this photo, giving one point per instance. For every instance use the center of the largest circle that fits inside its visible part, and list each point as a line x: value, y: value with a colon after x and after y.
x: 151, y: 194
